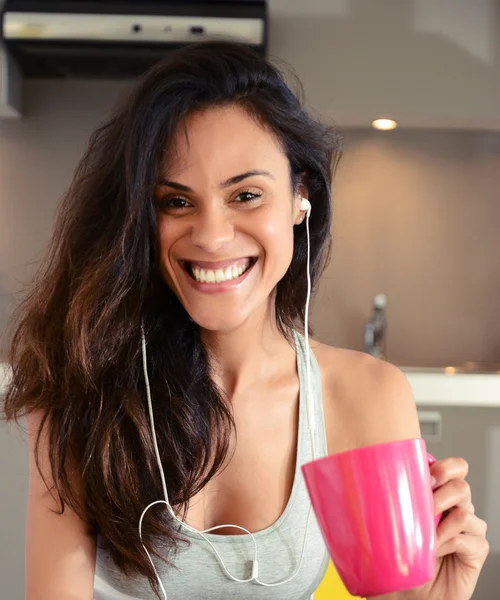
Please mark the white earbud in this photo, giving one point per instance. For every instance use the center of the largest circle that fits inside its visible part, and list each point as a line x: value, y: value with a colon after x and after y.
x: 305, y: 205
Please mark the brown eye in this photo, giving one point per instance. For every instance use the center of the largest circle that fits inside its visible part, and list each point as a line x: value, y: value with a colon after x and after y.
x: 247, y: 197
x: 172, y: 204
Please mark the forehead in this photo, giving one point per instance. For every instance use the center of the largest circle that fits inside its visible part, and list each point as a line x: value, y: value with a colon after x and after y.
x: 223, y: 141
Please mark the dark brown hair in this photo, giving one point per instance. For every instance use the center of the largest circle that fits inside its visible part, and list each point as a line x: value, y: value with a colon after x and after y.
x: 75, y: 339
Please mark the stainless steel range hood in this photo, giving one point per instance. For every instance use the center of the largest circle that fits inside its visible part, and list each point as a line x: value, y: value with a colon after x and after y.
x: 120, y: 38
x: 10, y: 86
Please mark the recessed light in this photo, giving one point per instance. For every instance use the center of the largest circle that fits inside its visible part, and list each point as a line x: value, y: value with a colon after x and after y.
x: 384, y: 124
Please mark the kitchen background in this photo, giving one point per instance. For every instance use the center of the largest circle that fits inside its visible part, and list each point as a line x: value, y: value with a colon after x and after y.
x: 417, y: 210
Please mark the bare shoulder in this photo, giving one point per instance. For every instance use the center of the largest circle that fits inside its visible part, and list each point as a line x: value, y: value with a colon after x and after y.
x: 365, y: 400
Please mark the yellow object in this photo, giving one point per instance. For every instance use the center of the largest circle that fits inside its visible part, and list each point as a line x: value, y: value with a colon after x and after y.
x: 331, y: 587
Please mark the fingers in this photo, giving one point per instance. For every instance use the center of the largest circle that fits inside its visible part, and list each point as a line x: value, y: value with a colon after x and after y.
x: 459, y: 521
x: 449, y: 468
x: 472, y: 547
x: 454, y: 493
x: 460, y: 531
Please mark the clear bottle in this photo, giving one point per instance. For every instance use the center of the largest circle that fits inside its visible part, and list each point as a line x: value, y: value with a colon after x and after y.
x: 376, y: 328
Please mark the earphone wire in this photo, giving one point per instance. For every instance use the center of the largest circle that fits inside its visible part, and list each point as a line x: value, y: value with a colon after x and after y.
x: 311, y: 427
x: 310, y: 403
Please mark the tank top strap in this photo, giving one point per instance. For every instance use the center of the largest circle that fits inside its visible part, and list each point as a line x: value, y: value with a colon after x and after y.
x: 316, y: 394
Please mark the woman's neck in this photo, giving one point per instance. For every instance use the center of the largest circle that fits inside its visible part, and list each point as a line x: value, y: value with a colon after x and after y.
x: 251, y: 352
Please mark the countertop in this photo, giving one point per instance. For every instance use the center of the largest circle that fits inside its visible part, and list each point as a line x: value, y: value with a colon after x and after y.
x: 448, y: 386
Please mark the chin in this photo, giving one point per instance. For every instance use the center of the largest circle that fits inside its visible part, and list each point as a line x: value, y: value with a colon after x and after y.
x: 222, y: 321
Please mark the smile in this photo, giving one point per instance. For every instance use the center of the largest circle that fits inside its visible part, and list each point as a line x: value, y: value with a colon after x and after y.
x: 226, y: 271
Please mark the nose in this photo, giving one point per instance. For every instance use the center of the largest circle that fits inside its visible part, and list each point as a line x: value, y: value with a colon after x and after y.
x: 212, y: 229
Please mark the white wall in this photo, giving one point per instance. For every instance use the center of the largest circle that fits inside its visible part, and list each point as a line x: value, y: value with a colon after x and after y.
x: 417, y: 216
x: 426, y: 63
x: 37, y: 156
x: 432, y: 63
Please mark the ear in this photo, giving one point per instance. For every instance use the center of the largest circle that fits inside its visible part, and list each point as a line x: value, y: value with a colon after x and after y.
x: 298, y: 214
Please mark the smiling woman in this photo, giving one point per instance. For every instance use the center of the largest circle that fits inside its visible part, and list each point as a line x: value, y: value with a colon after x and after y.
x: 184, y: 222
x: 163, y: 358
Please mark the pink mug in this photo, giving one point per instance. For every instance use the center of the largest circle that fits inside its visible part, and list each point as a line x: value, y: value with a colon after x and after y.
x: 375, y: 509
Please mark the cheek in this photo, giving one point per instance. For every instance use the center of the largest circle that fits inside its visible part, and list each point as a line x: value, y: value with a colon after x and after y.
x: 166, y: 239
x: 277, y: 239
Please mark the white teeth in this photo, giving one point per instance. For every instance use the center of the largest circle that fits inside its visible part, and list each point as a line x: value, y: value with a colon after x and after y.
x: 219, y: 275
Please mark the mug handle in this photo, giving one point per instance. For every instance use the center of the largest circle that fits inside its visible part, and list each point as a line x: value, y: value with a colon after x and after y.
x: 432, y: 460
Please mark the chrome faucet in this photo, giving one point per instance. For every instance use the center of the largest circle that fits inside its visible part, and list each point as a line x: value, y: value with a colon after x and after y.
x: 376, y: 328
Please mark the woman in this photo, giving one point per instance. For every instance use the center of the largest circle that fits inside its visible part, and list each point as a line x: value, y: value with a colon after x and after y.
x: 177, y: 274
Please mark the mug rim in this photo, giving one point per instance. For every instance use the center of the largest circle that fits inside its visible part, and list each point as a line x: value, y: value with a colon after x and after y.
x: 361, y: 449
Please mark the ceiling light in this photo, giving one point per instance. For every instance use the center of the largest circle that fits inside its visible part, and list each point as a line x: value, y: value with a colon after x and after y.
x: 384, y: 124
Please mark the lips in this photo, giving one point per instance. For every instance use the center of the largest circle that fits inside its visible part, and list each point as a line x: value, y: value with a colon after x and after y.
x: 218, y: 272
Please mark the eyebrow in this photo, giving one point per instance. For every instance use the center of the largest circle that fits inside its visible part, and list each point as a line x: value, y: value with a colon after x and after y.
x: 231, y: 181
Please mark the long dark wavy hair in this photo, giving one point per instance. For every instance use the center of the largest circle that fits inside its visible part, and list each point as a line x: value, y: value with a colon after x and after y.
x: 74, y: 343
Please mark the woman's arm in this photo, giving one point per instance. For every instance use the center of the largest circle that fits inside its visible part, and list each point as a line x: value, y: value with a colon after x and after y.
x: 372, y: 402
x: 60, y: 554
x: 366, y: 400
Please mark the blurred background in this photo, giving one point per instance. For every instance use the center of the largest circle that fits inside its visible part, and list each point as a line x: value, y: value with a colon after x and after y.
x: 416, y: 207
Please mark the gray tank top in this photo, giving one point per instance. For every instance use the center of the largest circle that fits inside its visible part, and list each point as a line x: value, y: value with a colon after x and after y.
x: 198, y: 575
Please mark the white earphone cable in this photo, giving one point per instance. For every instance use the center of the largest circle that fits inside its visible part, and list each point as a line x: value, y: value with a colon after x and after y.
x: 310, y: 403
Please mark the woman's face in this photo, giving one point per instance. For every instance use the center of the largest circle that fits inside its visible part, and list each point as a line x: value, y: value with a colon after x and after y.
x: 226, y: 212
